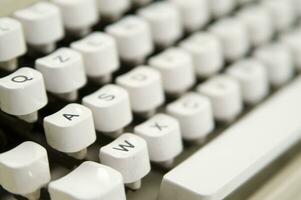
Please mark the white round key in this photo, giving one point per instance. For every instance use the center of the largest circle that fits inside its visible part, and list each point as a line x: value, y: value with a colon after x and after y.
x: 259, y: 23
x: 72, y: 14
x: 133, y: 37
x: 111, y: 109
x: 113, y: 9
x: 233, y: 35
x: 253, y: 79
x: 23, y: 93
x: 63, y: 71
x: 282, y: 12
x: 127, y: 154
x: 194, y: 113
x: 195, y: 14
x: 278, y: 62
x: 224, y: 93
x: 24, y: 170
x: 163, y: 16
x: 43, y: 25
x: 293, y: 41
x: 100, y: 55
x: 206, y: 51
x: 89, y: 181
x: 221, y: 8
x: 145, y: 89
x: 176, y: 68
x: 12, y: 42
x: 71, y: 129
x: 163, y: 137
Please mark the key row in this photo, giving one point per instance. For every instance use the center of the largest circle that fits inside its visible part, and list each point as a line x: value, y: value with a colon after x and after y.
x: 25, y: 171
x: 219, y: 97
x: 171, y: 71
x: 141, y: 91
x: 42, y: 25
x: 127, y: 159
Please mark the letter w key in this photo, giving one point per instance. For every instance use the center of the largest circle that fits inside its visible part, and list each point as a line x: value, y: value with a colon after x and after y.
x: 124, y: 147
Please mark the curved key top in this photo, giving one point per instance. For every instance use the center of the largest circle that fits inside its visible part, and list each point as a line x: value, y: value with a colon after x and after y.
x: 233, y: 34
x: 195, y: 14
x: 163, y: 136
x: 100, y: 55
x: 111, y: 109
x: 73, y: 18
x: 145, y: 89
x: 70, y: 130
x: 278, y: 62
x: 225, y: 96
x: 127, y: 154
x: 12, y: 43
x: 43, y: 25
x: 176, y: 68
x: 194, y: 113
x: 89, y: 181
x: 252, y: 78
x: 24, y: 170
x: 23, y: 93
x: 133, y: 38
x: 163, y: 16
x: 64, y: 73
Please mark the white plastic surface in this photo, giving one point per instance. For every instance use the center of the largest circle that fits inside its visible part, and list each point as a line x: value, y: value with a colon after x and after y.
x: 253, y: 79
x: 22, y: 92
x: 42, y: 23
x: 99, y: 52
x: 225, y: 96
x: 220, y: 8
x: 195, y: 115
x: 259, y: 24
x: 127, y: 154
x: 278, y: 61
x: 293, y: 41
x: 110, y: 106
x: 163, y: 136
x: 177, y: 69
x: 133, y: 37
x: 71, y: 129
x: 89, y: 181
x: 239, y: 152
x: 283, y: 13
x: 163, y: 16
x: 12, y: 41
x: 145, y: 88
x: 206, y: 51
x: 194, y: 13
x: 24, y: 169
x: 72, y: 13
x: 113, y: 8
x: 63, y: 71
x: 233, y: 34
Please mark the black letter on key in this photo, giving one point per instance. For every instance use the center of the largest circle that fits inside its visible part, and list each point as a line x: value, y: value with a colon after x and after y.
x: 69, y: 116
x: 21, y: 79
x: 158, y: 126
x: 107, y: 97
x: 61, y: 59
x: 123, y: 147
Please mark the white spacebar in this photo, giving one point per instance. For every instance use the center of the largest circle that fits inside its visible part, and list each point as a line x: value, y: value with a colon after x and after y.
x: 239, y: 152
